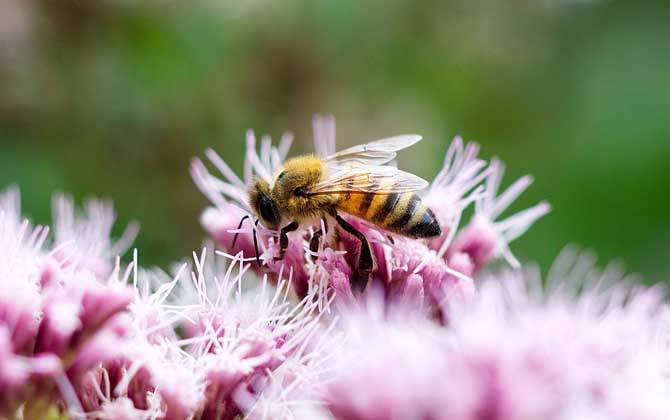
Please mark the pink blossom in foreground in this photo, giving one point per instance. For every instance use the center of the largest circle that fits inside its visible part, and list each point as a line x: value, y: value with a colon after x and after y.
x: 235, y: 335
x: 432, y: 270
x: 57, y: 319
x: 515, y: 352
x: 74, y: 335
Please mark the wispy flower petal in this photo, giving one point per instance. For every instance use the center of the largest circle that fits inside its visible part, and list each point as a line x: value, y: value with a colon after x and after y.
x: 85, y: 240
x: 485, y: 238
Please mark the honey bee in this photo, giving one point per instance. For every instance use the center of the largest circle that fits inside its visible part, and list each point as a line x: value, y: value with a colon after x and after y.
x: 357, y: 181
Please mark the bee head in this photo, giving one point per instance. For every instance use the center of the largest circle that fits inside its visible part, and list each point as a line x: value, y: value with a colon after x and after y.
x: 264, y: 205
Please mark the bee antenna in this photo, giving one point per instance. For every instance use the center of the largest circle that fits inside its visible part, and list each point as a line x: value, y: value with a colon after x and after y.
x: 258, y: 260
x: 238, y: 228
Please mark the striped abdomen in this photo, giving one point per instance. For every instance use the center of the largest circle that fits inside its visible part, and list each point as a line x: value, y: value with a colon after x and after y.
x: 401, y: 213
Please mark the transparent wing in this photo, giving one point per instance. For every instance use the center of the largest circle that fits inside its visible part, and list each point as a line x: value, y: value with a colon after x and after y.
x: 378, y: 180
x: 375, y: 153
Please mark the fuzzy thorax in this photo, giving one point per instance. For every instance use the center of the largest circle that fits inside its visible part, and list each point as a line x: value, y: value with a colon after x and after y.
x: 292, y: 183
x: 286, y: 199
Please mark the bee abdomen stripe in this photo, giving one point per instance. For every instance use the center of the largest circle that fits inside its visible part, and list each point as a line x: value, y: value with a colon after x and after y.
x: 368, y: 197
x: 411, y: 206
x: 386, y: 208
x: 426, y: 227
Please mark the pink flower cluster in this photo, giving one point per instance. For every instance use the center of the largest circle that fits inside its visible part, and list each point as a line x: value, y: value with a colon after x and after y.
x: 434, y: 336
x: 79, y: 334
x: 427, y: 271
x: 58, y: 319
x: 200, y: 346
x: 587, y: 346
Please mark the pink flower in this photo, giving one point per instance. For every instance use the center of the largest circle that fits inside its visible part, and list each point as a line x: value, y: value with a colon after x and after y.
x: 587, y: 346
x: 456, y: 186
x: 85, y: 240
x: 98, y: 396
x: 218, y: 224
x: 56, y: 317
x: 432, y: 270
x: 485, y: 238
x: 243, y: 337
x: 20, y: 247
x: 223, y: 337
x: 20, y: 376
x: 407, y: 270
x: 233, y: 341
x: 389, y: 365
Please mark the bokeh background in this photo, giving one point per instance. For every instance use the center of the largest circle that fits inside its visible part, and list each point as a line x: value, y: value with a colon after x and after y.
x: 113, y: 98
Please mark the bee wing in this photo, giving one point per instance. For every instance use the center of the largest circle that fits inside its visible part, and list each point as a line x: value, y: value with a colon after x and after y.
x: 375, y: 153
x: 377, y: 179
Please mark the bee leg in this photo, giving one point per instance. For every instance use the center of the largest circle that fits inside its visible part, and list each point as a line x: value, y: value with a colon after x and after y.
x: 283, y: 238
x: 258, y: 258
x: 365, y: 262
x: 316, y: 238
x: 315, y: 242
x: 238, y: 233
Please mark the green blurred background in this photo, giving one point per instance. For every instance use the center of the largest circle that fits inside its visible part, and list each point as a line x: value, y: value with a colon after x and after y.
x: 113, y: 98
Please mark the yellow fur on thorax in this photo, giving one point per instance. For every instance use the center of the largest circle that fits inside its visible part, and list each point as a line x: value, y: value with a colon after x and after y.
x: 301, y: 172
x: 313, y: 167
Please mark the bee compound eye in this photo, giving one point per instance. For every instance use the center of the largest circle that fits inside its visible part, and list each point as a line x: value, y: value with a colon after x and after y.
x: 268, y: 211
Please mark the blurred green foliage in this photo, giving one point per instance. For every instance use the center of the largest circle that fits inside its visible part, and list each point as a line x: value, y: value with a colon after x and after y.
x: 113, y: 98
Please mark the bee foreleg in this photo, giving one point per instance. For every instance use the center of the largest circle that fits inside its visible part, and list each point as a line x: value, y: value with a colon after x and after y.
x: 316, y: 238
x: 315, y: 242
x: 365, y: 261
x: 258, y: 258
x: 283, y: 238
